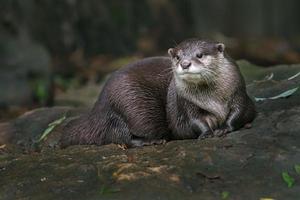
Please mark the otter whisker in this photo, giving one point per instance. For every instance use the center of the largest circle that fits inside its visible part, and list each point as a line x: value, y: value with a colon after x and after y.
x: 169, y: 69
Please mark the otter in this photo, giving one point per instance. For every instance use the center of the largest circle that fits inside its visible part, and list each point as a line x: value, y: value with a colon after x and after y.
x: 196, y: 92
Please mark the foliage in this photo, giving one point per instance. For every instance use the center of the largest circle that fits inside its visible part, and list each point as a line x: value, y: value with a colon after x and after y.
x: 106, y: 190
x: 51, y: 126
x: 40, y: 90
x: 282, y: 95
x: 225, y: 195
x: 297, y: 169
x: 288, y: 179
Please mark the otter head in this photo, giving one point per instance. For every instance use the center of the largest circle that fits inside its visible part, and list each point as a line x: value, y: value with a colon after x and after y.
x: 197, y: 61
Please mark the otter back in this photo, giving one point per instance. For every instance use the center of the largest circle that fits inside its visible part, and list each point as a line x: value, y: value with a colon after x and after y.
x: 131, y: 106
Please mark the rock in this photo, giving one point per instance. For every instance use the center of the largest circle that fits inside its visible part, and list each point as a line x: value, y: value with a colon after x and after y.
x: 247, y: 164
x: 25, y: 69
x: 79, y: 97
x: 259, y: 86
x: 25, y: 131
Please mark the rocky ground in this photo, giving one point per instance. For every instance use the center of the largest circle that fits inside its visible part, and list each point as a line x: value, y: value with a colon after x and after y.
x: 247, y: 164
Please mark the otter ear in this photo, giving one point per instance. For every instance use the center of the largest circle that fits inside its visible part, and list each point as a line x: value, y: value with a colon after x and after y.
x: 171, y: 52
x: 221, y: 47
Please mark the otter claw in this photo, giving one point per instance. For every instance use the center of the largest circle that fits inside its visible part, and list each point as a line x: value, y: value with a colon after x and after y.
x: 143, y: 142
x: 158, y: 142
x: 205, y: 135
x: 248, y: 125
x: 221, y: 132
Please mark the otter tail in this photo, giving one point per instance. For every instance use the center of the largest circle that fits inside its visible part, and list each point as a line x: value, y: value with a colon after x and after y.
x: 80, y: 131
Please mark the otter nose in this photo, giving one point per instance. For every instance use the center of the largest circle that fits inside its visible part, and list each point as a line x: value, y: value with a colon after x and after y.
x: 185, y: 64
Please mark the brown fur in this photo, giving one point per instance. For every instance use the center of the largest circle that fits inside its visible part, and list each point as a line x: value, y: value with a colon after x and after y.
x: 145, y: 103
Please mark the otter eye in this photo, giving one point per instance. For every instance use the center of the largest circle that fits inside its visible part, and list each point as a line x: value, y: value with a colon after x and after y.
x: 199, y: 55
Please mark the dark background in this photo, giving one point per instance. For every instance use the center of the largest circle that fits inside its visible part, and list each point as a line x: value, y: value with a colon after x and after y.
x: 47, y: 46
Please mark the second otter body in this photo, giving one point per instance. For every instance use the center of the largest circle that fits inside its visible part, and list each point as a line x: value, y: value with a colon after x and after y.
x: 198, y: 92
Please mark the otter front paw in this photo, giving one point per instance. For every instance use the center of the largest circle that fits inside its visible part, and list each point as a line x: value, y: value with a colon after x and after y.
x: 223, y: 131
x: 144, y: 142
x: 207, y: 134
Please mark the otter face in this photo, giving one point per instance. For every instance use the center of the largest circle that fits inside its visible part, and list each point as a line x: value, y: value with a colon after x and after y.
x: 196, y: 60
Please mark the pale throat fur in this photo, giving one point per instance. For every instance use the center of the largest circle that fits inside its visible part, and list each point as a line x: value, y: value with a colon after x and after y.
x: 213, y: 91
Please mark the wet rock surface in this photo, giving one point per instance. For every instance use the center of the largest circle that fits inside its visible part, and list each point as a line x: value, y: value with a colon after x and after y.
x: 247, y: 164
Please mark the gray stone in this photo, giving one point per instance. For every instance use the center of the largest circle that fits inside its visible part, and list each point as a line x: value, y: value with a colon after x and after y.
x: 24, y: 65
x: 247, y: 164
